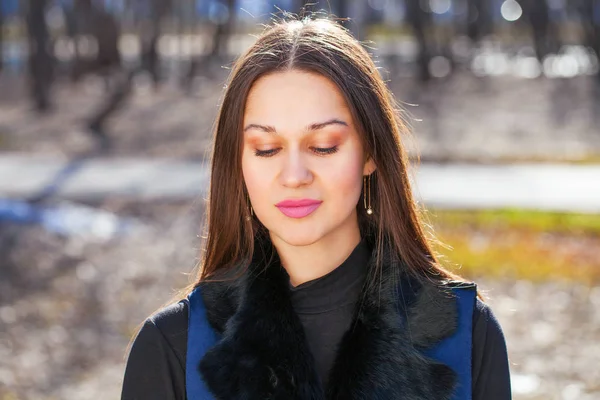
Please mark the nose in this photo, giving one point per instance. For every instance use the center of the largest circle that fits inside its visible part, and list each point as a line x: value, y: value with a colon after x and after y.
x: 294, y: 172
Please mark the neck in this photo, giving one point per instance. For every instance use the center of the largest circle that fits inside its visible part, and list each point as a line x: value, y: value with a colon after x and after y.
x: 305, y: 263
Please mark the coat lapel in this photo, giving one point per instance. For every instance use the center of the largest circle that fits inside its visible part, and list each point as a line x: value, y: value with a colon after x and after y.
x: 263, y: 354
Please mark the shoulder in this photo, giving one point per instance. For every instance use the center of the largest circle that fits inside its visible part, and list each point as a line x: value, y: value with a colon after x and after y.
x: 484, y: 319
x: 157, y: 358
x: 171, y: 320
x: 170, y: 326
x: 457, y: 285
x: 485, y: 323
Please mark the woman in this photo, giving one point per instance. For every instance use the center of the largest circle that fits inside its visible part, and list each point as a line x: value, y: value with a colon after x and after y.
x: 317, y: 280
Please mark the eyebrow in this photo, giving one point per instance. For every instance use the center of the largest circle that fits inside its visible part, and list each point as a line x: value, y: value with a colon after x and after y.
x: 309, y: 128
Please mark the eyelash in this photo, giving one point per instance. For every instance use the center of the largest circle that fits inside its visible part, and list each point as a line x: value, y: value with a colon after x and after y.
x: 325, y: 151
x: 265, y: 153
x: 319, y: 150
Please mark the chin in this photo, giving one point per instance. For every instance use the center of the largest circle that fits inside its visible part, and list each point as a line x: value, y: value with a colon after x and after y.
x: 297, y: 237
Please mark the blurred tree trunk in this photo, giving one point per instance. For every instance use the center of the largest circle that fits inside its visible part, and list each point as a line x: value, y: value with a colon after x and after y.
x: 1, y: 38
x: 71, y: 33
x: 194, y: 60
x: 537, y: 13
x: 186, y: 16
x: 589, y: 11
x: 40, y: 57
x: 93, y: 20
x: 596, y: 40
x: 421, y: 24
x: 223, y: 31
x: 150, y: 35
x: 478, y: 19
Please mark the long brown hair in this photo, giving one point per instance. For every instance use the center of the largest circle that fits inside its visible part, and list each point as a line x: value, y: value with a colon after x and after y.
x: 323, y: 47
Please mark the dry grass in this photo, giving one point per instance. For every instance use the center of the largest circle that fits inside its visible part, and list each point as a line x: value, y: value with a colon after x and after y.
x: 520, y: 244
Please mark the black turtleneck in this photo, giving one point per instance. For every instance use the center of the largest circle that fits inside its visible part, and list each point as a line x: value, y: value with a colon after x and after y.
x: 325, y: 306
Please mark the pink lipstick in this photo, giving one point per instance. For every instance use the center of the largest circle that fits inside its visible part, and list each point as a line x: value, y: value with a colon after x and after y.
x: 299, y: 208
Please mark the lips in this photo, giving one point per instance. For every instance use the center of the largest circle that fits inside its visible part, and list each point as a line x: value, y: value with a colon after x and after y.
x: 298, y: 208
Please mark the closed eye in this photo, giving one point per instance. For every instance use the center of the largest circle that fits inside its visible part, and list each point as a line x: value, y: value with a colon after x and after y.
x: 266, y: 153
x: 325, y: 150
x: 318, y: 150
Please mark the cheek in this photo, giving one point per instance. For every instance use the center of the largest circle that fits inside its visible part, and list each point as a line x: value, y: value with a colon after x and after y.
x: 345, y: 178
x: 256, y: 177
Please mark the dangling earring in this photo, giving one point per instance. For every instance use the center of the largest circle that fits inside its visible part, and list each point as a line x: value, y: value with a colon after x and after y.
x: 367, y: 194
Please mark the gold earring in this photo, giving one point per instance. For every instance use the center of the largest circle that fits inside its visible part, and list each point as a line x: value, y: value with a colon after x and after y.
x: 367, y: 194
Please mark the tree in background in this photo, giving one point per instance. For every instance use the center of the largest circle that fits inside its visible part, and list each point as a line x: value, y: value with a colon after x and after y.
x: 150, y: 32
x: 1, y: 36
x: 479, y: 22
x: 93, y: 20
x: 589, y: 13
x: 223, y: 31
x: 421, y: 23
x: 545, y: 40
x: 41, y: 60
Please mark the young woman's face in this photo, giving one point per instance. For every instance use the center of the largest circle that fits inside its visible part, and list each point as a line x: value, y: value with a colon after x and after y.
x: 302, y: 160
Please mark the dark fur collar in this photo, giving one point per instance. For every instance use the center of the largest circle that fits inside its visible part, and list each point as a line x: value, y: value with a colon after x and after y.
x: 263, y: 354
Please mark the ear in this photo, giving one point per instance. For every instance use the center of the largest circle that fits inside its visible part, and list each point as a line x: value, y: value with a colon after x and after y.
x: 369, y: 167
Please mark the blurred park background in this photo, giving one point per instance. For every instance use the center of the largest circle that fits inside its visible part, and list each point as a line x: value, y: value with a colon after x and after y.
x: 106, y: 114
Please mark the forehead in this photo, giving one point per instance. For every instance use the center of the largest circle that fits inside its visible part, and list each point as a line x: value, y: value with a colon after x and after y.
x: 294, y: 97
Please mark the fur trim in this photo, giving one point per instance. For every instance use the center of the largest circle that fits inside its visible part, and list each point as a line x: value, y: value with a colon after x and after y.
x: 263, y: 353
